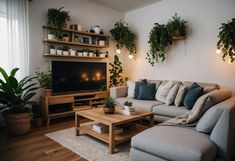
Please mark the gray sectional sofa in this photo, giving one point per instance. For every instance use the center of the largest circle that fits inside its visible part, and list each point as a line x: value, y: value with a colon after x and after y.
x: 213, y: 138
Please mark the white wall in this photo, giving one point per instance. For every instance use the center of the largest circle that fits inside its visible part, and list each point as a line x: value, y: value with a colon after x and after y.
x: 82, y: 12
x: 200, y: 63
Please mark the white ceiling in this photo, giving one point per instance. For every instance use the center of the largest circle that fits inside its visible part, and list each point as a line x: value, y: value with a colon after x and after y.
x: 125, y: 5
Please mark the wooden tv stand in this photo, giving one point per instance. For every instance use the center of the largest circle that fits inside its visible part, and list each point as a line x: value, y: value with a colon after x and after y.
x: 64, y: 105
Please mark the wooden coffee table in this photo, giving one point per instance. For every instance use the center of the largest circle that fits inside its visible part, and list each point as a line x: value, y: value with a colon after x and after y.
x: 112, y: 120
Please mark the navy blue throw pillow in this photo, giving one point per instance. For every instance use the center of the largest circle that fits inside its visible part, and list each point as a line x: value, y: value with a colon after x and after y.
x: 137, y: 84
x: 147, y: 91
x: 193, y: 93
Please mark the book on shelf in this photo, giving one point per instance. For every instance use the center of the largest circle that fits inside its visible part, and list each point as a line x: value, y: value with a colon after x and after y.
x: 102, y: 128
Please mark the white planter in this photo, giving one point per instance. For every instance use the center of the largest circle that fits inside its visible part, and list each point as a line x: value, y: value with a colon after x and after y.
x: 51, y: 37
x: 101, y: 42
x: 96, y: 29
x: 128, y: 108
x: 52, y: 51
x: 65, y: 53
x: 72, y: 53
x: 85, y: 53
x: 80, y: 54
x: 102, y: 55
x: 59, y: 52
x: 66, y: 39
x: 79, y: 28
x: 91, y: 54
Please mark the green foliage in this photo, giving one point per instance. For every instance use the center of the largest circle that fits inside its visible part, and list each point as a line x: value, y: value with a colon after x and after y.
x: 65, y: 48
x: 159, y: 39
x: 124, y: 37
x: 127, y: 103
x: 176, y: 26
x: 44, y: 78
x: 51, y: 47
x: 227, y: 40
x: 57, y: 17
x: 109, y: 102
x: 103, y: 87
x: 14, y: 94
x: 116, y: 72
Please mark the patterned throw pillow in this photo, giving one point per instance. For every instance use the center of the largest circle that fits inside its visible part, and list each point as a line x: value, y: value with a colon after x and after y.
x: 172, y: 94
x: 163, y: 91
x: 180, y: 95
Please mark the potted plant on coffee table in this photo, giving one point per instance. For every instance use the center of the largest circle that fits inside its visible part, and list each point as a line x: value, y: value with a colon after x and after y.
x: 15, y: 95
x: 45, y: 81
x: 109, y: 105
x: 127, y: 105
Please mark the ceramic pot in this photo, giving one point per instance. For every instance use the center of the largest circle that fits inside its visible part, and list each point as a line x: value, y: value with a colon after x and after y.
x: 47, y: 92
x: 53, y: 51
x: 59, y: 52
x: 96, y: 29
x: 85, y: 53
x: 65, y: 53
x: 51, y: 37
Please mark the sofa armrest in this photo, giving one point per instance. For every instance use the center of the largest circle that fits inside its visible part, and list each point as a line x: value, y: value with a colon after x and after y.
x: 117, y: 92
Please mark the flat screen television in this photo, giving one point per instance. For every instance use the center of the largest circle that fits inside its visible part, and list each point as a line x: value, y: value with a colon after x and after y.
x: 78, y: 76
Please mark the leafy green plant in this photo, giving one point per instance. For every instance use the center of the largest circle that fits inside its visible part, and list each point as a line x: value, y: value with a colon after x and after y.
x: 14, y: 94
x: 44, y: 78
x: 51, y: 47
x: 109, y: 102
x: 226, y: 41
x: 116, y: 72
x: 57, y: 17
x: 159, y: 39
x: 65, y: 48
x: 127, y: 103
x: 124, y: 37
x: 176, y: 26
x: 103, y: 87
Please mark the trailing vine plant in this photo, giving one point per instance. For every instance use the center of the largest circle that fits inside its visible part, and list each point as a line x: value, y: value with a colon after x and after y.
x: 176, y: 26
x: 57, y: 17
x: 159, y: 39
x: 226, y: 43
x: 123, y: 36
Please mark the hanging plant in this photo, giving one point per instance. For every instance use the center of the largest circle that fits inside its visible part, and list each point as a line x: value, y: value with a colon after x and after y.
x: 57, y: 17
x: 124, y: 37
x: 226, y: 43
x: 159, y: 39
x: 176, y: 26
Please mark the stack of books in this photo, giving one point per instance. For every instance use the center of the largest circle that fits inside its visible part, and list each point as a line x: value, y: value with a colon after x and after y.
x: 102, y: 128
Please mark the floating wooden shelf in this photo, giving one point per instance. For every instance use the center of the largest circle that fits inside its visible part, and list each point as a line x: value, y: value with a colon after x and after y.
x: 70, y: 56
x: 73, y: 43
x: 75, y: 31
x: 178, y: 37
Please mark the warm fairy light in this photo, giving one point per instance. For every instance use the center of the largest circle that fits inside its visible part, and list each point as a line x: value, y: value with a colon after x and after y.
x: 218, y: 51
x: 84, y: 75
x: 118, y: 51
x: 131, y: 56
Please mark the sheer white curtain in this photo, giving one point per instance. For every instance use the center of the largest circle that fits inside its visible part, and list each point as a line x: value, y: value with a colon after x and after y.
x: 14, y: 27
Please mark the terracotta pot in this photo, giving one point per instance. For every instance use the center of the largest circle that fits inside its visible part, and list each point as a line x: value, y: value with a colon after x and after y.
x: 18, y: 124
x: 109, y: 110
x: 37, y: 122
x: 48, y: 92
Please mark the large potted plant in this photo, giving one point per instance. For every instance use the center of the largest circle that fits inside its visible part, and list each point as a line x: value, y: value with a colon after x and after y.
x: 14, y: 97
x: 123, y: 36
x: 57, y: 17
x: 226, y: 43
x: 45, y: 81
x: 159, y: 39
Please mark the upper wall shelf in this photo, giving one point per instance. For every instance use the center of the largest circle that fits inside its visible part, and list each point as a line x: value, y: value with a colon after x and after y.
x: 75, y: 31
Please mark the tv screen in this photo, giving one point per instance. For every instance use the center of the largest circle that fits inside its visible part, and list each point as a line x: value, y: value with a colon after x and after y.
x: 78, y: 76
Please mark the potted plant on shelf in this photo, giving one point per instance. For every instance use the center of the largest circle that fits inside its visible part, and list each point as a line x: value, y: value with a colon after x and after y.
x: 65, y: 50
x: 127, y: 105
x: 109, y: 105
x: 59, y: 51
x: 91, y: 53
x: 66, y: 37
x: 37, y: 114
x: 176, y: 27
x: 52, y: 49
x: 79, y: 52
x: 97, y: 53
x: 52, y: 35
x: 159, y: 39
x: 45, y: 81
x: 124, y: 37
x: 72, y: 52
x: 14, y: 97
x: 226, y: 43
x: 57, y: 17
x: 85, y: 52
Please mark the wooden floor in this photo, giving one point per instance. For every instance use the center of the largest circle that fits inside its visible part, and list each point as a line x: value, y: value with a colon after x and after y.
x: 35, y: 146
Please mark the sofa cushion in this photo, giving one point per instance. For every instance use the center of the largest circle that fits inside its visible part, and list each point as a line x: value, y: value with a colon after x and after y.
x: 172, y: 94
x: 175, y: 143
x: 157, y: 82
x: 131, y: 89
x: 169, y: 111
x: 145, y: 105
x: 188, y: 84
x: 137, y: 86
x: 163, y: 91
x: 147, y: 91
x: 193, y: 93
x: 180, y: 95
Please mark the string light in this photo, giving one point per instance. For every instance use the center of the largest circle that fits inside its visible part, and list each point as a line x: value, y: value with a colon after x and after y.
x: 118, y: 51
x: 218, y: 51
x: 131, y: 56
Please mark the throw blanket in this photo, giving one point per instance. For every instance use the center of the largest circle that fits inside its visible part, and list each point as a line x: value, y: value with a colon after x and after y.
x: 200, y: 107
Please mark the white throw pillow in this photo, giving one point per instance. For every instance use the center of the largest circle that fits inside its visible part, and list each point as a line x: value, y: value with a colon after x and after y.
x: 131, y: 89
x: 163, y: 91
x: 172, y: 94
x: 180, y: 95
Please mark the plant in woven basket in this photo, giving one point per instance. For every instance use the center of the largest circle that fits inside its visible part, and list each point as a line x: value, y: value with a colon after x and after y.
x: 109, y: 105
x: 159, y: 39
x: 57, y: 17
x: 226, y: 43
x: 122, y: 34
x: 176, y: 26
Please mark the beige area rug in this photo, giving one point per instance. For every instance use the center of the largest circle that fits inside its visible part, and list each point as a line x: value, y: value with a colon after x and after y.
x: 89, y: 147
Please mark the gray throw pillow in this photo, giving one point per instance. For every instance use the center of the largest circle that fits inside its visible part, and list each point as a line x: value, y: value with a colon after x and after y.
x: 172, y: 94
x: 163, y: 91
x: 180, y: 95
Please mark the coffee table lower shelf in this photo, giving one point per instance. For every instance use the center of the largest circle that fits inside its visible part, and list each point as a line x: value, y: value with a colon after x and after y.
x: 118, y: 138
